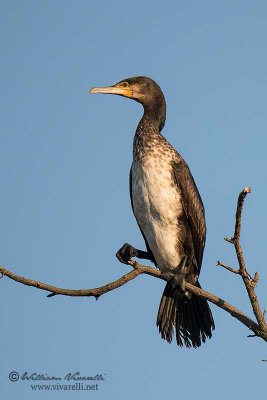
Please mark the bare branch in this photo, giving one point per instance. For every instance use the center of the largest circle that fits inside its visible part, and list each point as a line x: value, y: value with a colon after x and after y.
x: 221, y: 264
x: 138, y: 270
x: 97, y: 292
x: 249, y: 282
x: 239, y: 209
x: 259, y: 329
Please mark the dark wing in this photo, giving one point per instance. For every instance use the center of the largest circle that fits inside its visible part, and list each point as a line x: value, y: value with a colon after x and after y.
x: 193, y: 207
x: 147, y: 246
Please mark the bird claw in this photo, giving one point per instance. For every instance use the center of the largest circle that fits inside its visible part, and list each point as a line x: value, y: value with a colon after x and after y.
x: 126, y: 252
x: 177, y: 281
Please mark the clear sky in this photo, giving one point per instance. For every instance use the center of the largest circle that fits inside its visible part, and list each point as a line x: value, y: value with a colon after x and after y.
x: 64, y: 204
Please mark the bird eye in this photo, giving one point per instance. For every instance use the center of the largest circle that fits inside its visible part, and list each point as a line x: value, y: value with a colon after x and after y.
x: 124, y: 84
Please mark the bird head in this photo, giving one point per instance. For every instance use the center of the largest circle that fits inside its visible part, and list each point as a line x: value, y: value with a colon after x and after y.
x: 141, y: 89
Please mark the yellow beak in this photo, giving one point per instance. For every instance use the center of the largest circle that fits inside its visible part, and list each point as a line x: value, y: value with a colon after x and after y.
x: 121, y: 91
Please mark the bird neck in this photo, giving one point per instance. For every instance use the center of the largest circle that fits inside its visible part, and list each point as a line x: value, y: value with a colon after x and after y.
x: 153, y: 119
x: 147, y: 133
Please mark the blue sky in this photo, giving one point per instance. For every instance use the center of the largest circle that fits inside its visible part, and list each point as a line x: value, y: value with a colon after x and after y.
x: 65, y: 208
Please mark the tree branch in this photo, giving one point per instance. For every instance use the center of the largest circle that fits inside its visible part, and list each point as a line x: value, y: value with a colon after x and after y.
x: 259, y: 329
x: 221, y: 264
x: 249, y: 282
x: 138, y: 270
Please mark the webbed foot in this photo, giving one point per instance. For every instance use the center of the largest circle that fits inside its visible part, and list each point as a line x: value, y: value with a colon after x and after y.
x: 177, y: 278
x: 126, y: 252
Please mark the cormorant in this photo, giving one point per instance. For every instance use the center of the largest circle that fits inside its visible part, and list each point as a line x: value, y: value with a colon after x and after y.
x: 170, y: 214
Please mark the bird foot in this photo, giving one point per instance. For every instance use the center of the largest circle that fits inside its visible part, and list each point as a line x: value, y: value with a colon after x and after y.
x: 177, y: 281
x: 126, y: 252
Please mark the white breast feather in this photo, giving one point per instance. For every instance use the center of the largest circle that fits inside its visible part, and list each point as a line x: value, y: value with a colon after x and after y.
x: 157, y: 205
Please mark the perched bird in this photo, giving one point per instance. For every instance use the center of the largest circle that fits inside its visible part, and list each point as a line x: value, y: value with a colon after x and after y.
x: 170, y: 214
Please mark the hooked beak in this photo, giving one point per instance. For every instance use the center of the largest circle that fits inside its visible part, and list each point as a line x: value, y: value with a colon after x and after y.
x: 119, y: 90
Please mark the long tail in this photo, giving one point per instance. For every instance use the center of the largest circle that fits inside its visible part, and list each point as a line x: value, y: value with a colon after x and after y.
x: 190, y: 318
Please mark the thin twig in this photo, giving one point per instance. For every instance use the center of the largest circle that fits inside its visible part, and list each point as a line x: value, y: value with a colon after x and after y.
x: 221, y: 264
x: 229, y: 240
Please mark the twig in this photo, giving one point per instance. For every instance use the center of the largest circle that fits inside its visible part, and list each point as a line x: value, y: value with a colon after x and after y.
x: 221, y: 264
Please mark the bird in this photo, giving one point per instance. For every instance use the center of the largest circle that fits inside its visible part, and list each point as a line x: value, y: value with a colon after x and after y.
x: 170, y: 214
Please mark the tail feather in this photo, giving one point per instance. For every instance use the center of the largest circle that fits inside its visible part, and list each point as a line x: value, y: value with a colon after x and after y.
x: 166, y: 315
x: 192, y: 325
x: 190, y: 318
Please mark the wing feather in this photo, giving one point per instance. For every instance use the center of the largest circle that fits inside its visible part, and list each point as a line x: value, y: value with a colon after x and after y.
x: 192, y: 206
